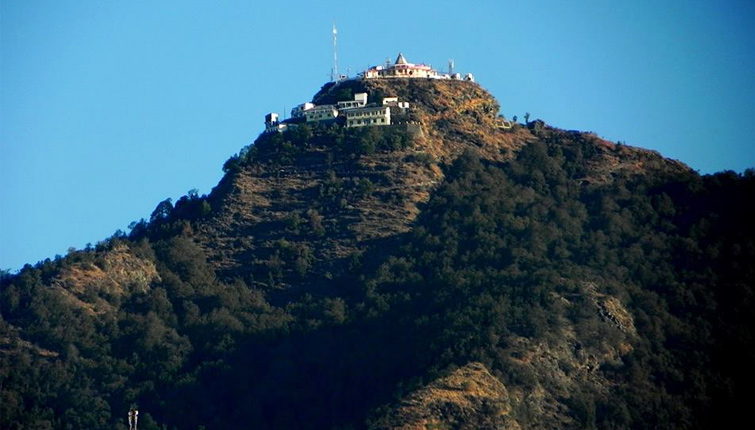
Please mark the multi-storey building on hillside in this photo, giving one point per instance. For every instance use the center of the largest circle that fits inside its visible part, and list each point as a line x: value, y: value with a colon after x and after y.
x: 321, y: 113
x: 349, y: 113
x: 300, y: 110
x: 367, y: 116
x: 360, y: 100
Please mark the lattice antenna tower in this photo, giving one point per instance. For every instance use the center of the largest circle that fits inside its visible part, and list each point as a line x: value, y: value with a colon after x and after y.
x: 334, y: 71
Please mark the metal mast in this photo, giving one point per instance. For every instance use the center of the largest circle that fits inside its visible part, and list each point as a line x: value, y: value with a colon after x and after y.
x: 334, y: 71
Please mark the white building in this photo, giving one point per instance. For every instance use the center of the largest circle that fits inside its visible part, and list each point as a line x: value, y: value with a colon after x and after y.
x: 298, y: 111
x: 272, y: 124
x: 321, y: 113
x: 393, y: 101
x: 355, y: 113
x: 360, y: 100
x: 401, y: 69
x: 368, y: 116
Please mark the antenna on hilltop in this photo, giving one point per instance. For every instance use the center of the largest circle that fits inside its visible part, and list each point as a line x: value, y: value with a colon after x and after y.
x: 451, y: 66
x: 334, y: 71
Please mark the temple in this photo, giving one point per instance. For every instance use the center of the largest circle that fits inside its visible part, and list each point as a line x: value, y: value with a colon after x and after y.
x: 358, y: 112
x: 400, y: 69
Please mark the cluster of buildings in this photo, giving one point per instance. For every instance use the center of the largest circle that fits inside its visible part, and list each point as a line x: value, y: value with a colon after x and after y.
x: 357, y: 112
x: 350, y: 113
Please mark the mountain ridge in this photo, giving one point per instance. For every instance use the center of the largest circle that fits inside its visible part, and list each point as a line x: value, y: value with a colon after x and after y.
x: 342, y: 278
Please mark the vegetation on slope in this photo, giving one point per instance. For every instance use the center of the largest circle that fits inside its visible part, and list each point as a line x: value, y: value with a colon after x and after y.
x: 604, y: 287
x: 504, y: 252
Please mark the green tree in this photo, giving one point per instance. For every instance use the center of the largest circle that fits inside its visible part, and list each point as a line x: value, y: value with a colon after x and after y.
x: 162, y: 211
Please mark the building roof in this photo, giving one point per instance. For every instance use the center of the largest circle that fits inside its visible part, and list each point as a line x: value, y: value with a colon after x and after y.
x: 401, y: 59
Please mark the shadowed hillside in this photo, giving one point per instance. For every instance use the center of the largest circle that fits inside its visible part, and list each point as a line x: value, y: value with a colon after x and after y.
x: 444, y: 272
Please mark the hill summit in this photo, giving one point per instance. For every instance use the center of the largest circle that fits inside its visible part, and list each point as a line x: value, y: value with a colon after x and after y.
x: 367, y: 184
x: 445, y: 269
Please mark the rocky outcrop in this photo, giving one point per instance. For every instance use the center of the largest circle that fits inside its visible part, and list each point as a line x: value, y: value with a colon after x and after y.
x: 95, y: 288
x: 470, y: 397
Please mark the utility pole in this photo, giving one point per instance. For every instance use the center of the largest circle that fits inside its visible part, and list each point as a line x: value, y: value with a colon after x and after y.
x: 133, y: 417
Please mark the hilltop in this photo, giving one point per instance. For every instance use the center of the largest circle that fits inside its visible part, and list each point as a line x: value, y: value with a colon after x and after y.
x: 451, y: 270
x: 364, y: 196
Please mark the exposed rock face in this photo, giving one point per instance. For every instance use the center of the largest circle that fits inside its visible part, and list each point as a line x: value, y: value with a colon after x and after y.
x: 95, y: 288
x: 468, y: 398
x: 549, y: 373
x: 570, y: 359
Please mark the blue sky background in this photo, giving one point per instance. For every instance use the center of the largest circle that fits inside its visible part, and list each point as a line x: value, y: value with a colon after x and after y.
x: 109, y: 107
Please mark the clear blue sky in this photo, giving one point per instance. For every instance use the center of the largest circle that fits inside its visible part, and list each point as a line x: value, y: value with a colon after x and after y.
x: 109, y: 107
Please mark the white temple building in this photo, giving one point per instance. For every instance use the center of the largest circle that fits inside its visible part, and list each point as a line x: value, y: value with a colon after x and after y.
x: 358, y: 112
x: 400, y: 69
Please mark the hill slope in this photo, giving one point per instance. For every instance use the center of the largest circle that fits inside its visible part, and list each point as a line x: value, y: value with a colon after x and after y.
x: 454, y: 275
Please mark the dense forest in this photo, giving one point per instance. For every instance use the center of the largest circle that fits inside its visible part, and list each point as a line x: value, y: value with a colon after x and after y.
x: 504, y: 254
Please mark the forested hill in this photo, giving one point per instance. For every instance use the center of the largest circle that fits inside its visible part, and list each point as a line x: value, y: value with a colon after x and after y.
x: 458, y: 275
